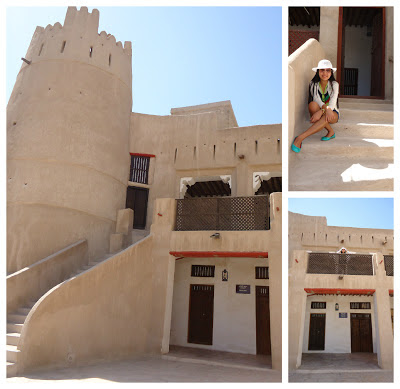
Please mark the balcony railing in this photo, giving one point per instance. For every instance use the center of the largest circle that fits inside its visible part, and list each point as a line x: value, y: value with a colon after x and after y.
x: 332, y: 263
x: 389, y: 259
x: 222, y: 214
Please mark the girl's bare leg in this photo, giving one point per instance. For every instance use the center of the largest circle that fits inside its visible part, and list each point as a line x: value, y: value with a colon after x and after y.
x: 329, y: 128
x: 314, y: 107
x: 316, y: 127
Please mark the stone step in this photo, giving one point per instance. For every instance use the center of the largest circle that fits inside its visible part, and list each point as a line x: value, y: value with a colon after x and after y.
x: 346, y: 148
x: 369, y: 104
x: 346, y: 100
x: 12, y: 353
x: 139, y: 235
x: 16, y: 318
x: 23, y: 311
x: 341, y: 175
x: 11, y: 369
x: 360, y: 130
x: 14, y: 327
x: 13, y: 338
x: 365, y: 116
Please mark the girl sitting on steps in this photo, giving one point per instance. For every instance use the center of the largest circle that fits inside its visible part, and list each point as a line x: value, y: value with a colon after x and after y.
x: 322, y: 103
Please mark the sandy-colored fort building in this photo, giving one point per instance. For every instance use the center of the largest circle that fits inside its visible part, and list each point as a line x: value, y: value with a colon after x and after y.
x: 126, y: 232
x: 339, y: 303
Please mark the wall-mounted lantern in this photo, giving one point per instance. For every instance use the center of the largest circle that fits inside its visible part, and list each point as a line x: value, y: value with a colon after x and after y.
x: 224, y: 275
x: 336, y: 307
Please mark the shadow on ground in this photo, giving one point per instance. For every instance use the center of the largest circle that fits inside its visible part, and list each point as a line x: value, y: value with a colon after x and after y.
x: 355, y: 367
x: 181, y: 365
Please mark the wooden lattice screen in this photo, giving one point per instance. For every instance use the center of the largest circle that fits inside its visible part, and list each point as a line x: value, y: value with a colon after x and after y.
x: 389, y: 261
x: 222, y: 214
x: 331, y: 263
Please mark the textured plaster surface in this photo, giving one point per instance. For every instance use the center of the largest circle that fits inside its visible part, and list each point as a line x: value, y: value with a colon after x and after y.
x: 67, y: 142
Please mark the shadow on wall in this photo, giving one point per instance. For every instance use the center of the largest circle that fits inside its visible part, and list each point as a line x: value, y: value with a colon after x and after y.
x: 300, y: 75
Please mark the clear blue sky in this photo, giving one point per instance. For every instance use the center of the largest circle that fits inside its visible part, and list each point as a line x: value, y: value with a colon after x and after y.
x: 182, y: 56
x: 344, y: 212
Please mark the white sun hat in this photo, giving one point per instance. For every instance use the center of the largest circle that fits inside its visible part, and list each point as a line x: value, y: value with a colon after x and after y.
x: 324, y: 64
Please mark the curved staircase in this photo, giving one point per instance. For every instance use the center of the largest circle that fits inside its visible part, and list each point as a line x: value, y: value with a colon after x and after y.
x: 16, y: 320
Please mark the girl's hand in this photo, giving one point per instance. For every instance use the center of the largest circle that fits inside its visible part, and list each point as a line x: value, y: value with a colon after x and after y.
x: 317, y: 115
x: 329, y: 115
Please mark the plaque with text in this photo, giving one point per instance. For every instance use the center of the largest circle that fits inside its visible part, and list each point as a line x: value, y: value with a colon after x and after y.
x: 243, y: 289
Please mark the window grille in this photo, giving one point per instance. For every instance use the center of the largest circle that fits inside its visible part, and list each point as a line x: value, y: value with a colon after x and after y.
x: 139, y: 171
x: 262, y: 273
x: 202, y: 288
x: 203, y: 271
x: 360, y: 315
x: 332, y: 263
x: 360, y: 305
x: 260, y: 290
x: 318, y: 305
x: 389, y: 260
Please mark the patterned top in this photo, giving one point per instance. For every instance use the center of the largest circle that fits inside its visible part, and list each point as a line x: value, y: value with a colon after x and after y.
x: 328, y: 97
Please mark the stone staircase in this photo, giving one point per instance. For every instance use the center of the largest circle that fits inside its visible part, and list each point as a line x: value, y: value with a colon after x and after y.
x: 359, y: 158
x: 139, y: 235
x: 16, y: 320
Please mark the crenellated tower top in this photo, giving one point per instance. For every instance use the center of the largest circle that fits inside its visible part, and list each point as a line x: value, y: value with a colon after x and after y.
x: 79, y: 40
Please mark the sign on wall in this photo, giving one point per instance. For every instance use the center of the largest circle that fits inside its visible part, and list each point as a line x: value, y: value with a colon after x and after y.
x: 243, y: 289
x: 342, y: 315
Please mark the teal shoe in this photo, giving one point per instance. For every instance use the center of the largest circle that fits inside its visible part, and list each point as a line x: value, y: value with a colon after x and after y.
x: 328, y: 137
x: 295, y: 148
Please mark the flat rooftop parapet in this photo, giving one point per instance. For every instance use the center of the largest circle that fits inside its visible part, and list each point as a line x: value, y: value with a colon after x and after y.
x: 221, y: 107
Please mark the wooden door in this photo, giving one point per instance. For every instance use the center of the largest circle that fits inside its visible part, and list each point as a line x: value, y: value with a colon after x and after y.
x: 263, y: 326
x: 378, y: 55
x: 361, y: 333
x: 316, y: 339
x: 341, y: 52
x: 136, y: 199
x: 201, y: 314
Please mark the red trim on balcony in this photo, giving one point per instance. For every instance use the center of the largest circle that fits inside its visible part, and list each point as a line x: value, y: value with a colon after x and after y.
x: 219, y: 254
x: 143, y: 155
x: 340, y: 291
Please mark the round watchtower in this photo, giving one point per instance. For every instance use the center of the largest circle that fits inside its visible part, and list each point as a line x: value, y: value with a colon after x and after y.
x: 68, y: 136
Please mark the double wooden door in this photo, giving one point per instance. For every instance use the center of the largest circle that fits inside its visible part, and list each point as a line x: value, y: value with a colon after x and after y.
x: 361, y: 333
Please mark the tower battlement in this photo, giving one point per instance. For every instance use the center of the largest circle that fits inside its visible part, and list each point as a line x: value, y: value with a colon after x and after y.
x: 68, y: 127
x: 79, y: 40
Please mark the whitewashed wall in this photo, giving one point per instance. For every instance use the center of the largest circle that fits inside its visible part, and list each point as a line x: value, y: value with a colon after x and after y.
x: 234, y: 327
x: 337, y: 330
